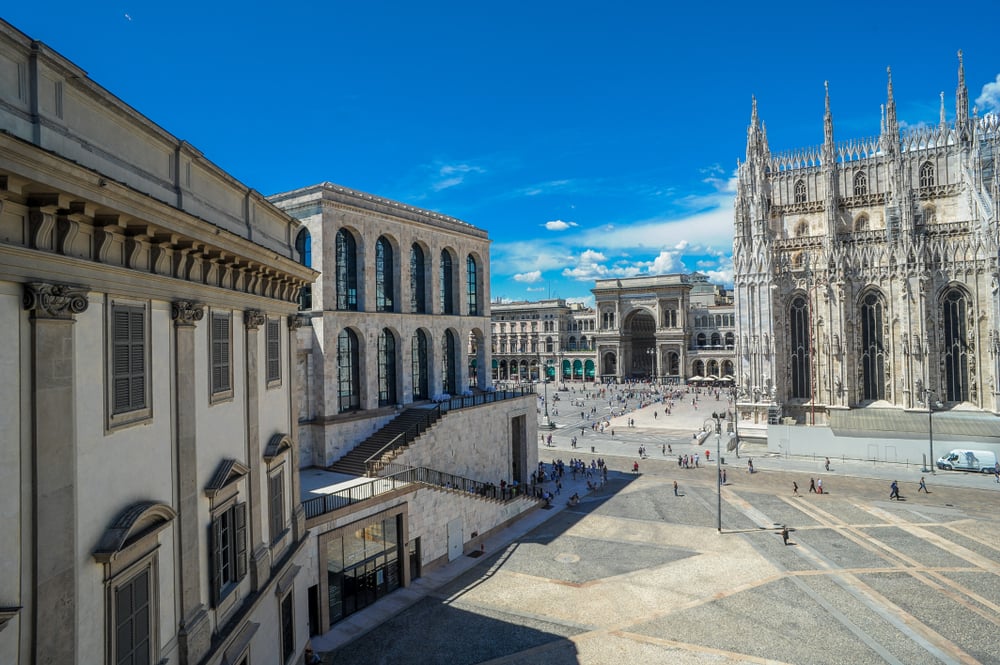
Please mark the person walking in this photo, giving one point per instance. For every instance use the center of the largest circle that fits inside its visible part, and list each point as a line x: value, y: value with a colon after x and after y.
x: 894, y: 491
x: 827, y: 463
x: 784, y: 534
x: 812, y: 485
x: 675, y: 488
x: 635, y: 468
x: 795, y: 488
x: 819, y: 486
x: 923, y: 487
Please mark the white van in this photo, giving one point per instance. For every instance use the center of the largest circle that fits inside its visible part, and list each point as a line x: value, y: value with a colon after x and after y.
x: 968, y: 460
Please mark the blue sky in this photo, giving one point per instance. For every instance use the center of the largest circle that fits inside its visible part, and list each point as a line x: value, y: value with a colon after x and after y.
x: 589, y: 139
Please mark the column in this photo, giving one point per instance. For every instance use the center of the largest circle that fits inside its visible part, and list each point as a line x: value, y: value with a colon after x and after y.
x: 296, y: 321
x: 260, y: 560
x: 195, y: 632
x: 53, y: 309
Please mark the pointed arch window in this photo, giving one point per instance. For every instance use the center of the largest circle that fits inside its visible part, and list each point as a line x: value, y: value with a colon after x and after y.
x: 449, y: 383
x: 798, y: 318
x: 873, y: 366
x: 418, y: 294
x: 861, y: 223
x: 385, y: 284
x: 447, y: 291
x: 860, y: 183
x: 926, y: 174
x: 955, y: 307
x: 386, y: 368
x: 348, y: 372
x: 347, y: 271
x: 471, y: 282
x: 418, y: 365
x: 800, y: 191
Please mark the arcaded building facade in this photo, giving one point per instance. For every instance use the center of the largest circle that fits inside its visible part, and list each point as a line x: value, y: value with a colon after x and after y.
x: 552, y: 334
x: 668, y: 327
x: 866, y: 271
x: 149, y: 505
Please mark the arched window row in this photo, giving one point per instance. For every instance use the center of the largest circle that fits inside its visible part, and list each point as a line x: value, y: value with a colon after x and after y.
x: 349, y: 270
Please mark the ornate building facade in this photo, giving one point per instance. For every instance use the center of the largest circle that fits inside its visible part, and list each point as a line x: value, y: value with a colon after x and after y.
x: 552, y: 334
x: 866, y: 271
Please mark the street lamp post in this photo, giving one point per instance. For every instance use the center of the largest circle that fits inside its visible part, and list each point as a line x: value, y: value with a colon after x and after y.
x: 651, y: 352
x: 928, y: 393
x: 716, y: 421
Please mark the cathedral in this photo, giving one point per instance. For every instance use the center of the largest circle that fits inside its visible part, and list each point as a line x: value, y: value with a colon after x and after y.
x: 865, y: 275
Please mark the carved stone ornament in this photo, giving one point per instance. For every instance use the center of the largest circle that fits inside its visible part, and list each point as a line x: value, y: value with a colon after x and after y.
x: 55, y: 301
x: 296, y: 321
x: 187, y: 312
x: 254, y: 319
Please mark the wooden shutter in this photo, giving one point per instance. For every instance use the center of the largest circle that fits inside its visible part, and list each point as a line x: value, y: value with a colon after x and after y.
x: 273, y: 350
x: 241, y: 540
x: 215, y: 560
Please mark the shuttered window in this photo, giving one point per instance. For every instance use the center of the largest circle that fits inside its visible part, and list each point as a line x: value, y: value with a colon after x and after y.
x: 276, y: 504
x: 133, y: 621
x: 273, y: 350
x: 228, y: 550
x: 128, y: 358
x: 221, y: 363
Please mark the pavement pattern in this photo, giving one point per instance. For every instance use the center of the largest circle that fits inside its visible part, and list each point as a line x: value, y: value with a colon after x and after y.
x: 635, y: 574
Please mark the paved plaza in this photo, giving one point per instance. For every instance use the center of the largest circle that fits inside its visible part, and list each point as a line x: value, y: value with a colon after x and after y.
x: 635, y: 574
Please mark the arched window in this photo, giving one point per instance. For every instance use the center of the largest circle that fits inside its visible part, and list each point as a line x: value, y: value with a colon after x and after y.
x: 798, y: 319
x: 449, y: 384
x: 873, y: 367
x: 418, y: 368
x: 860, y: 183
x: 385, y: 284
x: 472, y: 291
x: 386, y: 368
x: 447, y: 291
x: 800, y: 191
x: 348, y: 381
x: 673, y: 364
x: 583, y: 343
x: 955, y: 306
x: 861, y: 223
x: 303, y: 247
x: 572, y: 344
x: 548, y: 345
x: 702, y: 340
x: 730, y: 340
x: 802, y: 229
x: 347, y: 271
x: 418, y: 293
x: 716, y: 339
x: 926, y: 174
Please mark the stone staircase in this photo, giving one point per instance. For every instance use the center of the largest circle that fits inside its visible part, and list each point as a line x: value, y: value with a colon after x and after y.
x: 404, y: 429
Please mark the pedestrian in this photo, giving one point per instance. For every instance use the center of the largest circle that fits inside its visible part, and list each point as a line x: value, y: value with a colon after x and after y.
x: 664, y: 449
x: 670, y: 449
x: 819, y: 486
x: 894, y: 491
x: 784, y: 534
x: 750, y: 465
x: 675, y: 488
x: 827, y: 463
x: 723, y: 476
x: 795, y: 488
x: 996, y: 471
x: 923, y: 487
x: 635, y: 468
x: 812, y: 484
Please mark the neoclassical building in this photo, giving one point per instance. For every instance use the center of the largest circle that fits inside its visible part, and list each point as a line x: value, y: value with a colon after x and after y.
x: 866, y: 272
x: 553, y: 334
x: 671, y: 327
x: 149, y: 506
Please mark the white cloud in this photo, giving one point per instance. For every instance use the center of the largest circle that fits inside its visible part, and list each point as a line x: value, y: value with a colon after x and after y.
x: 535, y: 289
x: 592, y: 256
x: 989, y: 99
x: 665, y: 263
x: 559, y: 225
x: 453, y: 175
x: 528, y: 277
x: 586, y: 301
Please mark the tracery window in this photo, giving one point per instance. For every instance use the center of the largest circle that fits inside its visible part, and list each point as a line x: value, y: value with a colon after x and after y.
x: 955, y: 307
x: 384, y: 282
x: 873, y: 367
x: 348, y: 372
x: 798, y: 319
x: 800, y: 191
x: 347, y: 271
x: 418, y: 295
x: 926, y: 174
x: 861, y: 223
x: 418, y: 364
x: 860, y: 183
x: 386, y: 368
x: 447, y: 290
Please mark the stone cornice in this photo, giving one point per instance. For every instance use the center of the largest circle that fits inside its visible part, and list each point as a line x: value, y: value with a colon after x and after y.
x: 54, y: 301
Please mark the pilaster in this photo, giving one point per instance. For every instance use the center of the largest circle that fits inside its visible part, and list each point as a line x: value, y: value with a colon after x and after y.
x: 195, y: 634
x: 53, y: 309
x: 295, y: 321
x: 260, y: 561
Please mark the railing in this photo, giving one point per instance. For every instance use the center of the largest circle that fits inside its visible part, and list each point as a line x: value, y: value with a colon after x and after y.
x: 399, y: 476
x: 404, y: 438
x: 477, y: 399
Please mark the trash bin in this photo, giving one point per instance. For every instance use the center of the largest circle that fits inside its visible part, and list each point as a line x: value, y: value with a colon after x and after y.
x: 592, y: 449
x: 722, y: 460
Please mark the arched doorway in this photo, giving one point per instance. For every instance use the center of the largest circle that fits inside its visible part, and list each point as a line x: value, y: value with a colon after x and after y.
x: 640, y: 334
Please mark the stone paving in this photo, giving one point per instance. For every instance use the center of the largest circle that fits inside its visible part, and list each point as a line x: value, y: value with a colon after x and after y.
x: 634, y: 574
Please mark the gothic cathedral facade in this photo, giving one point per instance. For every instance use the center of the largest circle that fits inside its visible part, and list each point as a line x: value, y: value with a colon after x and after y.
x: 866, y: 271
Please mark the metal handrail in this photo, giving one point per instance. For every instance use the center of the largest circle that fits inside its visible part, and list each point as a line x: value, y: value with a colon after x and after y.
x: 408, y: 435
